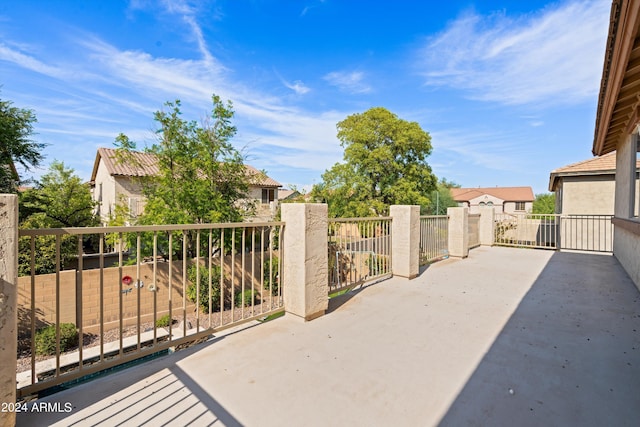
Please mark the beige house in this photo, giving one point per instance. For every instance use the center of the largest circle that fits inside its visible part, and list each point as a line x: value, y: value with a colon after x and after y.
x: 113, y: 180
x: 586, y: 187
x: 618, y: 125
x: 503, y: 199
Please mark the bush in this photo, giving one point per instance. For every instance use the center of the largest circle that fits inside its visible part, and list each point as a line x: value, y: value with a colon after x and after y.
x: 271, y: 280
x: 245, y: 299
x: 164, y: 321
x: 46, y: 338
x: 203, y: 303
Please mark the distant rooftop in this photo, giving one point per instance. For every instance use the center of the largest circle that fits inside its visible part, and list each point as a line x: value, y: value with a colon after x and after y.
x: 146, y: 164
x: 508, y: 194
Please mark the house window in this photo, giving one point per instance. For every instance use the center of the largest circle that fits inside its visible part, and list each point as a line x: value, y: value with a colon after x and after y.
x: 489, y: 203
x: 482, y: 204
x: 268, y: 195
x: 133, y: 207
x: 520, y: 206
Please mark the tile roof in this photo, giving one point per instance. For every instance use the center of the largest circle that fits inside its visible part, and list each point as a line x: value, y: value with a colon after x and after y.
x: 146, y: 164
x: 603, y: 165
x: 509, y: 194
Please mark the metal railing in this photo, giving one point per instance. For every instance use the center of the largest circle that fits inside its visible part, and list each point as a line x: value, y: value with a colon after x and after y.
x: 434, y: 238
x: 171, y: 285
x: 570, y: 232
x: 592, y: 233
x: 527, y: 230
x: 359, y: 251
x: 473, y: 228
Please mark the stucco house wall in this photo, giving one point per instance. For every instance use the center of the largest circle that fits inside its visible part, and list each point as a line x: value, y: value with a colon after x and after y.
x: 510, y: 207
x: 593, y: 195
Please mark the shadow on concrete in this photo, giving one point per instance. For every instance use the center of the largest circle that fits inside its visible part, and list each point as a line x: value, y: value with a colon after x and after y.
x: 99, y: 404
x: 569, y: 355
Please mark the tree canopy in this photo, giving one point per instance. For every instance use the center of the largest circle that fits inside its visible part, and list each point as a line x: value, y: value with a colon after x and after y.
x: 16, y: 147
x: 384, y: 164
x: 545, y: 203
x: 59, y: 200
x: 441, y: 197
x: 202, y: 177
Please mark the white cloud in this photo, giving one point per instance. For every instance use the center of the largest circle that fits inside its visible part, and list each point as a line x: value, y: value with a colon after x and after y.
x: 554, y: 56
x: 348, y: 81
x: 297, y: 86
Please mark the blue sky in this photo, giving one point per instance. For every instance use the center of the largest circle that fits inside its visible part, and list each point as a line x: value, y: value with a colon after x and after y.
x: 507, y: 89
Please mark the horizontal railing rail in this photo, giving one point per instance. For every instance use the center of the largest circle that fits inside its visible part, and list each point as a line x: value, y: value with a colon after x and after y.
x: 434, y: 238
x: 170, y: 285
x: 359, y: 251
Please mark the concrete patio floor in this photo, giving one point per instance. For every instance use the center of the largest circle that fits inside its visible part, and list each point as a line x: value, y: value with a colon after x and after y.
x: 504, y: 337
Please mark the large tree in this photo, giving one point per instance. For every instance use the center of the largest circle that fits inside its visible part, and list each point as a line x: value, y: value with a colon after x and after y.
x: 16, y: 147
x: 59, y: 200
x: 202, y: 177
x: 384, y: 164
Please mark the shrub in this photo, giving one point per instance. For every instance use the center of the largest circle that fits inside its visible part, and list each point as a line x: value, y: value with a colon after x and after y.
x: 203, y: 303
x: 164, y: 321
x: 271, y: 277
x: 245, y: 298
x: 46, y: 338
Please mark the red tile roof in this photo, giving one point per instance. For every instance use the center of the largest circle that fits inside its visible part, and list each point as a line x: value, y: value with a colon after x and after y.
x: 146, y: 164
x: 508, y: 194
x: 603, y: 165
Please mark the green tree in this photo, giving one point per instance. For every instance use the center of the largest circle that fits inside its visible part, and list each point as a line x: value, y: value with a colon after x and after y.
x: 59, y: 200
x: 201, y: 176
x: 545, y: 203
x: 441, y: 197
x: 201, y: 179
x: 16, y: 147
x: 384, y: 164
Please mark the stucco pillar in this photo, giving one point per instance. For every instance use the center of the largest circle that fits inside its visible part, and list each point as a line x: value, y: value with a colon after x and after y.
x: 305, y: 259
x: 487, y: 225
x: 405, y: 240
x: 8, y: 305
x: 458, y: 232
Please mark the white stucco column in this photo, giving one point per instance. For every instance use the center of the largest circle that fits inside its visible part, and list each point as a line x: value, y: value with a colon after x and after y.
x: 305, y: 259
x: 487, y: 225
x: 405, y: 240
x: 8, y: 303
x: 458, y: 232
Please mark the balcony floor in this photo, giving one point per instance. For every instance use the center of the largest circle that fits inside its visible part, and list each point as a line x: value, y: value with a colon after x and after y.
x: 506, y: 336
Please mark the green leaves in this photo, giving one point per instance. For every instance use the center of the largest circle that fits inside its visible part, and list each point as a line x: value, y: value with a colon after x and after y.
x: 544, y: 203
x: 16, y: 147
x: 385, y: 164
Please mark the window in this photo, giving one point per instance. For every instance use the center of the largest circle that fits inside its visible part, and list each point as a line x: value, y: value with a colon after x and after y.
x: 133, y: 207
x: 489, y: 203
x: 482, y: 204
x: 520, y: 206
x: 268, y: 195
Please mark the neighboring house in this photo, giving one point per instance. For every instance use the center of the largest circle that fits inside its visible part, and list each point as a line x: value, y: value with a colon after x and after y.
x: 586, y: 187
x: 618, y: 127
x: 503, y: 199
x: 113, y: 180
x: 284, y: 194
